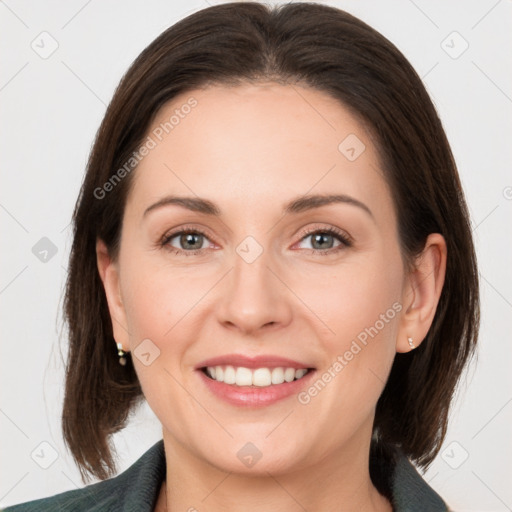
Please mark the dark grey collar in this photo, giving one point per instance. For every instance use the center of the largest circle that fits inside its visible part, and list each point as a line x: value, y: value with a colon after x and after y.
x: 410, y: 492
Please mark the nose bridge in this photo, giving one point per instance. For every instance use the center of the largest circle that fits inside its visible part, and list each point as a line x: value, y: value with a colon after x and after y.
x: 254, y: 297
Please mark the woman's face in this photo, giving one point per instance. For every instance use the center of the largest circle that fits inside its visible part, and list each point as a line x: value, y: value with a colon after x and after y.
x: 262, y: 276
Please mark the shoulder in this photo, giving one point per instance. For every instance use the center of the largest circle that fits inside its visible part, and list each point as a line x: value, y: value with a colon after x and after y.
x: 136, y: 489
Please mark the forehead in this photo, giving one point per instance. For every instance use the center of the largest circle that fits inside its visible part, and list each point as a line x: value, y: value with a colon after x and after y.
x: 259, y: 143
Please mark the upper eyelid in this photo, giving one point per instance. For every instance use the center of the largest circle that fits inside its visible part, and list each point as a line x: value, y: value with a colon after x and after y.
x: 331, y: 229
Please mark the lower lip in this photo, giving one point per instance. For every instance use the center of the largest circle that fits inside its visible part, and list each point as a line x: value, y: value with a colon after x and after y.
x: 254, y: 396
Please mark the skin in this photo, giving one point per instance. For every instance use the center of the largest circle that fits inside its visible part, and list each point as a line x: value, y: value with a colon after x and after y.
x: 251, y: 149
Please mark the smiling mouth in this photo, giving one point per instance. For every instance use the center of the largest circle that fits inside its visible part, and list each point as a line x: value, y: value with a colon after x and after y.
x: 254, y: 378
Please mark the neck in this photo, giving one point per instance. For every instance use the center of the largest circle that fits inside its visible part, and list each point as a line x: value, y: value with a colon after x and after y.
x: 339, y: 481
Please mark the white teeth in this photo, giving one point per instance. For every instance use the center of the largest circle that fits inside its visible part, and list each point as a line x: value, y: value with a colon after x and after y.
x: 261, y: 377
x: 289, y: 374
x: 229, y: 375
x: 243, y: 377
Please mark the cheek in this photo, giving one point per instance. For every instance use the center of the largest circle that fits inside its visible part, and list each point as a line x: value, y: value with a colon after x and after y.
x: 351, y: 298
x: 359, y: 308
x: 159, y: 302
x: 157, y: 299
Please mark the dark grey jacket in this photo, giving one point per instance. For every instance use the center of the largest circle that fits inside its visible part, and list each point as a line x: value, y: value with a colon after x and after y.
x: 137, y: 489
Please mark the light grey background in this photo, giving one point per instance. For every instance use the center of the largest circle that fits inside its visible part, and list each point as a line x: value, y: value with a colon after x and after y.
x: 50, y: 110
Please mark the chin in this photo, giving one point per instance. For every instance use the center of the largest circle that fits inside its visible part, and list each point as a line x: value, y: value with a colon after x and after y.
x: 256, y: 457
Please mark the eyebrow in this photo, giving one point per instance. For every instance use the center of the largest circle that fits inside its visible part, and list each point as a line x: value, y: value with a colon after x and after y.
x: 297, y: 205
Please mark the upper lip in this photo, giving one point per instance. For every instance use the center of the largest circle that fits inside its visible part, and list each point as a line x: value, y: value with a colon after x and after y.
x: 261, y: 361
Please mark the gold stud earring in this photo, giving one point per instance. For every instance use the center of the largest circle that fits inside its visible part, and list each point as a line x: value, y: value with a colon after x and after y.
x: 411, y: 344
x: 121, y: 354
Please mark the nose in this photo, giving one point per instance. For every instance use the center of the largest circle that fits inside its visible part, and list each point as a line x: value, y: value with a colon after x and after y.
x: 254, y: 297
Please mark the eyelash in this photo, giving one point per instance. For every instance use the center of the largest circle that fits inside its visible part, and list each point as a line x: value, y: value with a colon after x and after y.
x: 345, y: 240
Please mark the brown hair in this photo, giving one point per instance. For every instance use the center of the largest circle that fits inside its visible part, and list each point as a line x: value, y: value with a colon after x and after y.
x: 331, y: 51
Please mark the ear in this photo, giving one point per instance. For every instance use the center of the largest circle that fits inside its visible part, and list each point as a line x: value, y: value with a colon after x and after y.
x: 421, y: 293
x: 109, y: 273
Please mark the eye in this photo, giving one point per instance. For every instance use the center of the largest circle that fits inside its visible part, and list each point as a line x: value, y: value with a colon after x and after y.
x: 187, y: 242
x: 323, y: 240
x: 190, y: 241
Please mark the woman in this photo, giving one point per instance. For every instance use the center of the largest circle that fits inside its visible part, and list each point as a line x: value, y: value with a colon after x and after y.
x: 272, y: 247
